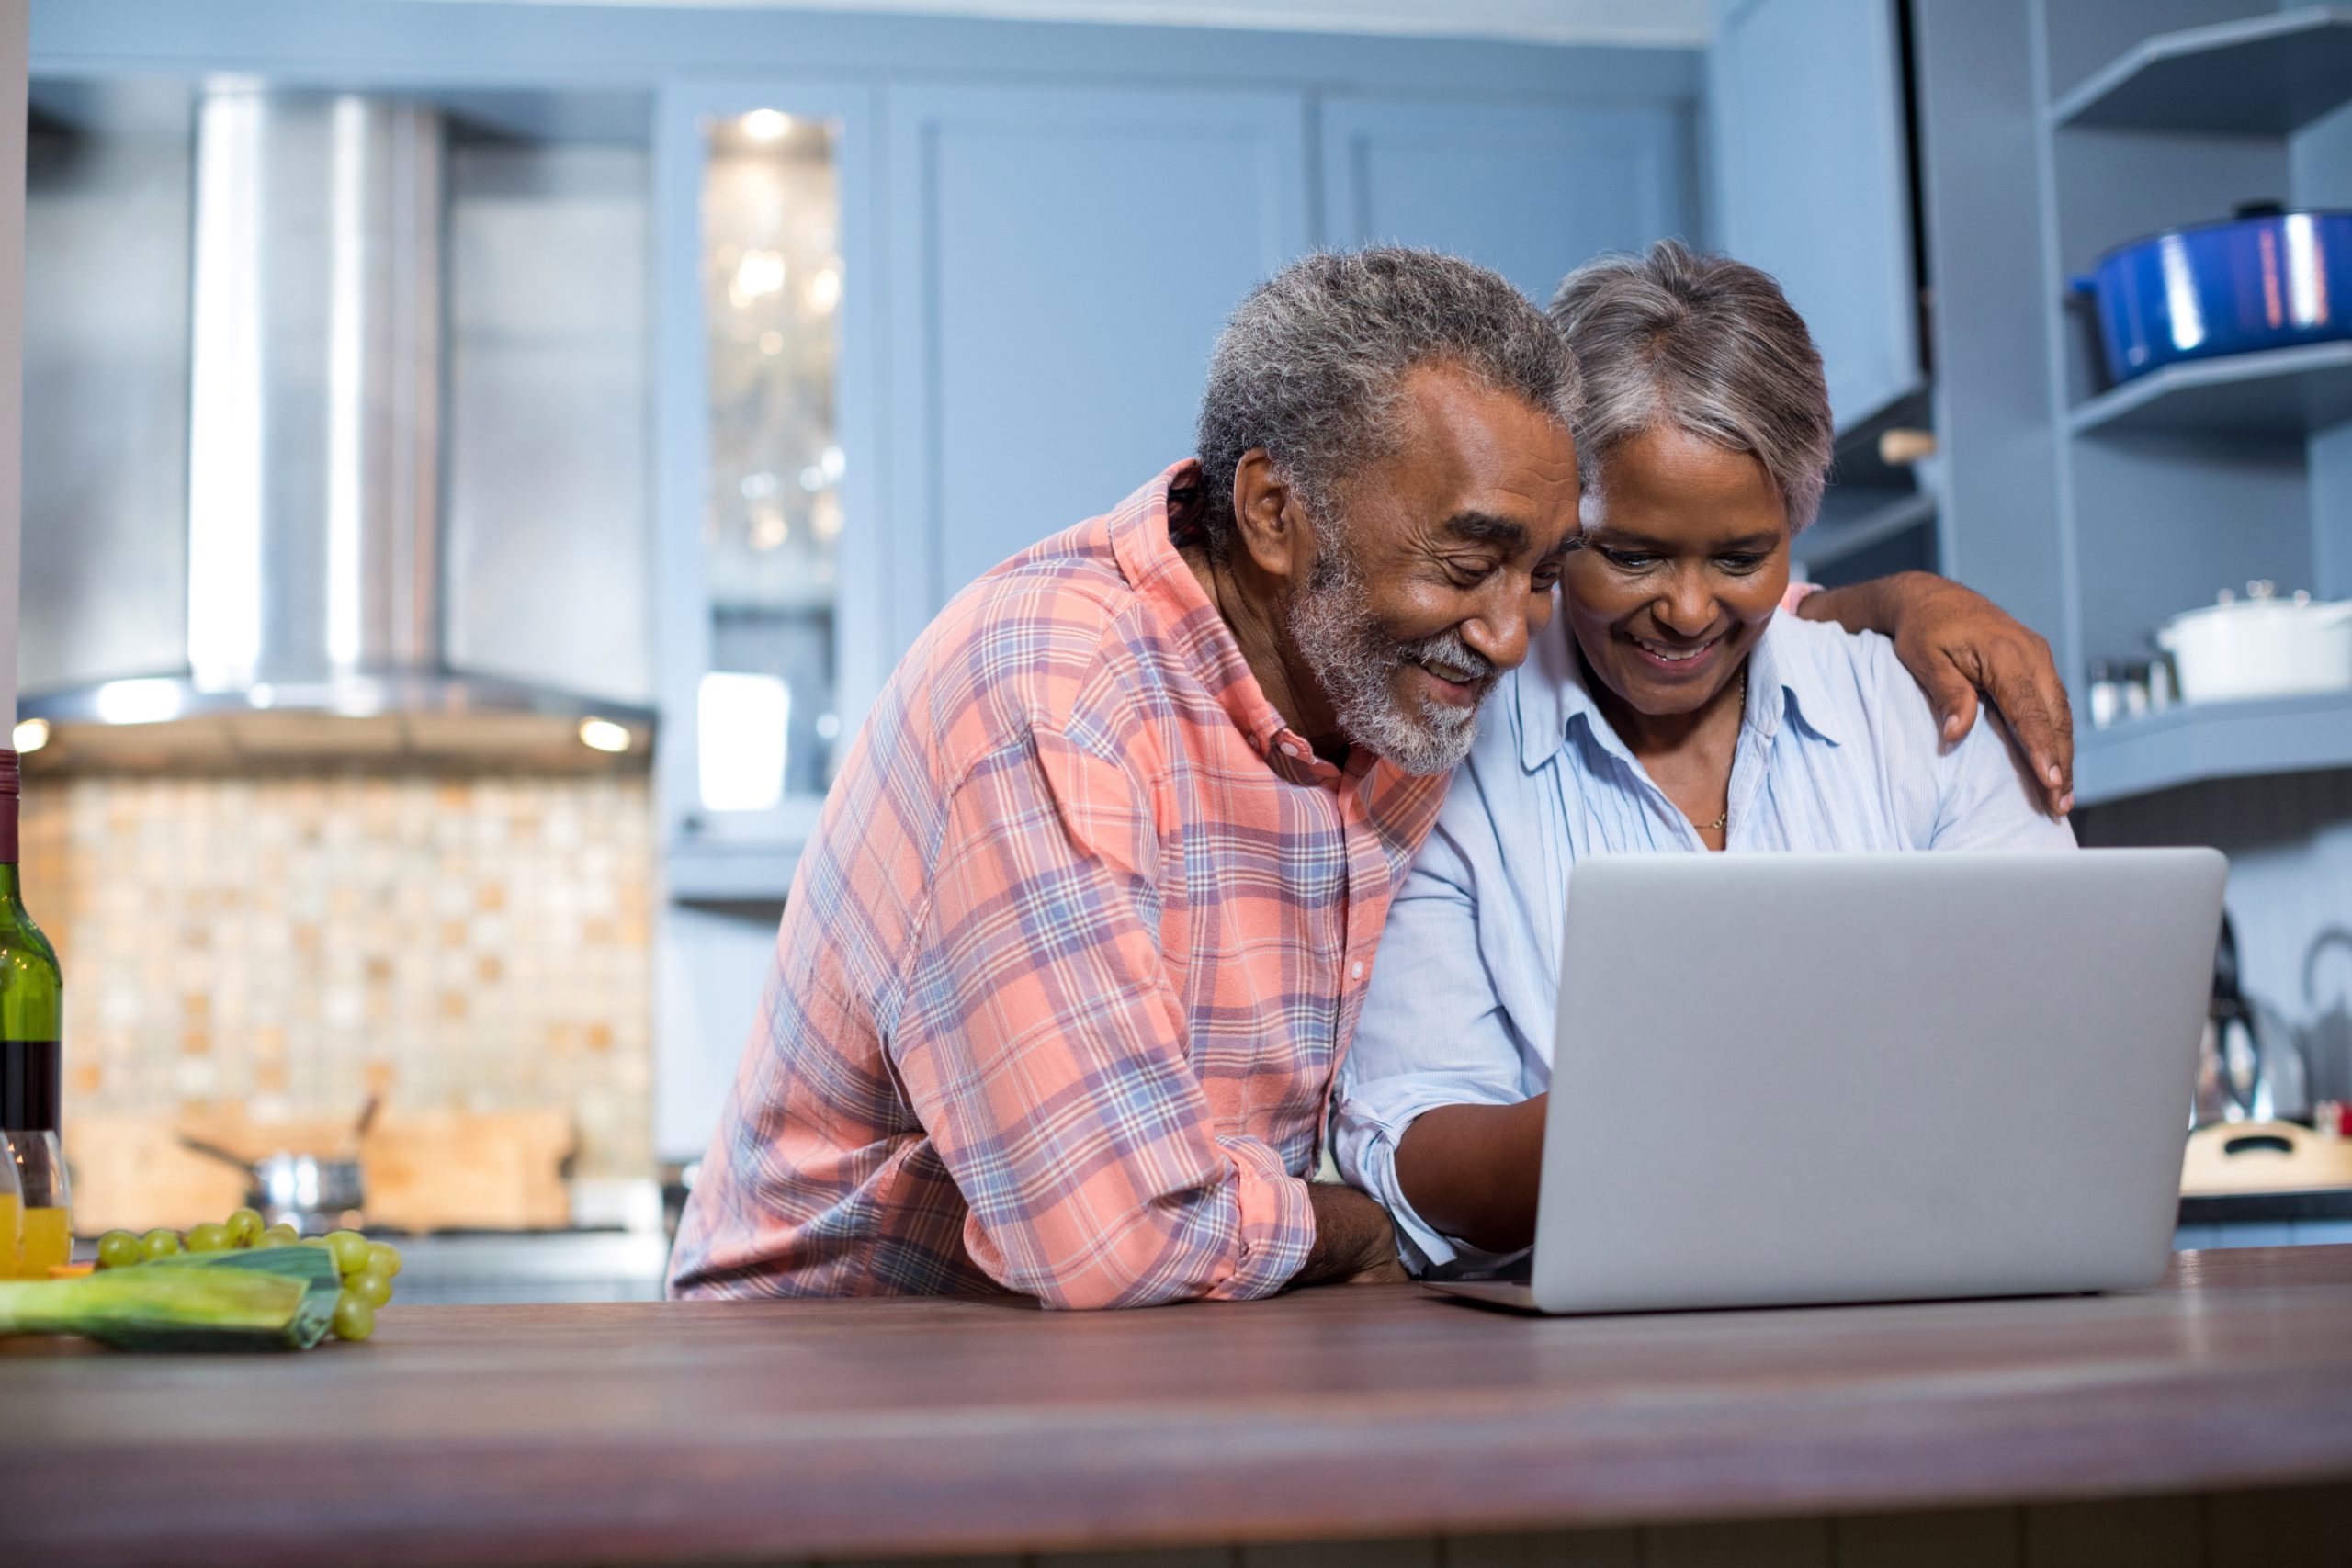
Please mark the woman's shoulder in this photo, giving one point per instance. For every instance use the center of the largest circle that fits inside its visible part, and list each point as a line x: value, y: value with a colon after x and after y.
x: 1830, y: 646
x: 1857, y: 692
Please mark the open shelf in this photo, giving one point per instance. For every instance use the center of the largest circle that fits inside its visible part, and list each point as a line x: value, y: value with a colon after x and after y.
x: 2279, y: 391
x: 1833, y: 539
x: 2214, y: 740
x: 712, y: 874
x: 2261, y: 76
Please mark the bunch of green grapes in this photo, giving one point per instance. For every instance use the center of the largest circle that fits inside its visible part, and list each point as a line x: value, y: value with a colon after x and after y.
x: 367, y: 1267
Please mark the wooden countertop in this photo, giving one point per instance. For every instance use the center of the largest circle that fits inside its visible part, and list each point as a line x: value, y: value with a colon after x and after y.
x: 661, y: 1433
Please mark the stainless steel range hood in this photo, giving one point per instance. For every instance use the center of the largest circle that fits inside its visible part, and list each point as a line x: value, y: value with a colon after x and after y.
x: 313, y: 530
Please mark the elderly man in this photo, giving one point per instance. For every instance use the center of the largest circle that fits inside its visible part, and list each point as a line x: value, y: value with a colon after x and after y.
x: 1078, y: 945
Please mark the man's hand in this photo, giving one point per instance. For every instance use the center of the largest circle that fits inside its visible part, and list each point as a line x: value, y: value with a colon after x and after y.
x: 1354, y: 1243
x: 1956, y: 642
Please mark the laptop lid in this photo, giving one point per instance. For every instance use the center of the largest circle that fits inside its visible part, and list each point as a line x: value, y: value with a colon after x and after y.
x: 1819, y: 1077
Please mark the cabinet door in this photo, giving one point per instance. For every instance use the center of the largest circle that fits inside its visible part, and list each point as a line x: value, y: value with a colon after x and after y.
x: 771, y: 601
x: 1812, y: 183
x: 1061, y: 261
x: 1530, y: 192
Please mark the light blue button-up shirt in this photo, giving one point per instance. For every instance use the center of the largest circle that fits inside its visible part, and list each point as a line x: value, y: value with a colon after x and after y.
x: 1837, y: 751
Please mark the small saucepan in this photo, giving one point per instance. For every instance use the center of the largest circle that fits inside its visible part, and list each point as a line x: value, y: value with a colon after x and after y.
x: 314, y: 1194
x: 2264, y: 644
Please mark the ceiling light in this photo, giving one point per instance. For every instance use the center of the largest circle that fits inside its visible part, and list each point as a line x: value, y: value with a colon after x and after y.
x: 32, y: 733
x: 604, y: 734
x: 765, y: 125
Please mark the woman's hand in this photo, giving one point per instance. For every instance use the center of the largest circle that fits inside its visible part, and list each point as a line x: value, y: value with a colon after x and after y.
x: 1956, y: 643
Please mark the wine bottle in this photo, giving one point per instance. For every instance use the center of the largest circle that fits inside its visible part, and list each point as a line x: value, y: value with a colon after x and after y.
x: 32, y: 1066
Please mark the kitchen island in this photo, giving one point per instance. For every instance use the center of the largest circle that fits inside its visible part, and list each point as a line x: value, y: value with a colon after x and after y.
x: 699, y: 1433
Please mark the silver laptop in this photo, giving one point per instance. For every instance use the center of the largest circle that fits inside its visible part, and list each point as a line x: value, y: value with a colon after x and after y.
x: 1785, y: 1078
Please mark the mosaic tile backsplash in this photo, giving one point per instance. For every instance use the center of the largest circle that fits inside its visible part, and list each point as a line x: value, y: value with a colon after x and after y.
x: 289, y: 943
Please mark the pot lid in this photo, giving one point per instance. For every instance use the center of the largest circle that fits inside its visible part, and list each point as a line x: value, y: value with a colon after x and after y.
x: 2262, y: 599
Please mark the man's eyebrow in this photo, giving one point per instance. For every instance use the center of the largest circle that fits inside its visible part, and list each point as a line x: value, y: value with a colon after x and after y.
x: 1485, y: 528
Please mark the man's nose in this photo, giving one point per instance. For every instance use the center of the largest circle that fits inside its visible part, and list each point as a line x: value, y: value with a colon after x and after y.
x: 1499, y: 633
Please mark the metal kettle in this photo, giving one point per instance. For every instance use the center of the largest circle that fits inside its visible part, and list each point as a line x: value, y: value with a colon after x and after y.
x: 2249, y: 1065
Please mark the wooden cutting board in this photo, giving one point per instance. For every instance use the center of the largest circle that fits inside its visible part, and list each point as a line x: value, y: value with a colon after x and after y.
x: 2263, y: 1156
x: 424, y: 1169
x: 431, y: 1170
x: 130, y: 1173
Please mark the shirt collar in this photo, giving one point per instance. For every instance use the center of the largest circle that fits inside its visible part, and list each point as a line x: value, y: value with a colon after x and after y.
x: 1553, y: 695
x: 1145, y: 531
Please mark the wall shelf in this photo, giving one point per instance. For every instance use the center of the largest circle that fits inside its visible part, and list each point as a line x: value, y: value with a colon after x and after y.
x: 2214, y: 740
x: 2279, y: 391
x: 2261, y: 76
x: 711, y: 874
x: 1833, y: 539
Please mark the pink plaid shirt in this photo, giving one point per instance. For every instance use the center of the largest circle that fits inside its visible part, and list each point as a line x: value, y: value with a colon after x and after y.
x: 1068, y: 965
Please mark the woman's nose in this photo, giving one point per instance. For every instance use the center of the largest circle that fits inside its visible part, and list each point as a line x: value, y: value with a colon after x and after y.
x: 1686, y: 608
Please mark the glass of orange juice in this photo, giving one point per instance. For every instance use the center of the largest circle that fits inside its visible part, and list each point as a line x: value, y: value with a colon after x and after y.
x: 12, y: 1211
x: 45, y: 1232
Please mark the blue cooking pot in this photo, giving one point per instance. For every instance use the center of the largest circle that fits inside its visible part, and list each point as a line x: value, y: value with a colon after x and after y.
x: 2269, y: 278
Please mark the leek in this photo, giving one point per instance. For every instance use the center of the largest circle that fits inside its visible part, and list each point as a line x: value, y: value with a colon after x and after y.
x: 280, y: 1299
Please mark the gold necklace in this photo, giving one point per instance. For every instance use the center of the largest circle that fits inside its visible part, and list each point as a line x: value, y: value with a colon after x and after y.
x: 1723, y: 822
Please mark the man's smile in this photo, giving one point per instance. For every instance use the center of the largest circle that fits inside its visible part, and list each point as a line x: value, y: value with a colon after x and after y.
x: 1460, y: 689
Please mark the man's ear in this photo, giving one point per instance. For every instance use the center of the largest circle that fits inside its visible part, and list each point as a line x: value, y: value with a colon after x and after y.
x: 1269, y: 519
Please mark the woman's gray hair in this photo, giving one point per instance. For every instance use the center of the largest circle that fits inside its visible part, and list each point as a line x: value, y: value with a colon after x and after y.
x: 1707, y: 344
x: 1310, y: 366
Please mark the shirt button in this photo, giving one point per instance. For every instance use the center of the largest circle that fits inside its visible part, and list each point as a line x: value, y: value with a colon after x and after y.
x: 1355, y: 970
x: 1293, y: 749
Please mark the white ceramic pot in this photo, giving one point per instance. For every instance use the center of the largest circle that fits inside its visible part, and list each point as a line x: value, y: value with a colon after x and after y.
x: 2260, y: 646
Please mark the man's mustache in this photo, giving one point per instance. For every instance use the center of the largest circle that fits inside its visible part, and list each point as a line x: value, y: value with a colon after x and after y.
x: 1449, y: 656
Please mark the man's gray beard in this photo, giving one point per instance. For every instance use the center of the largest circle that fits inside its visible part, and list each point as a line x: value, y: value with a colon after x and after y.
x: 1332, y: 621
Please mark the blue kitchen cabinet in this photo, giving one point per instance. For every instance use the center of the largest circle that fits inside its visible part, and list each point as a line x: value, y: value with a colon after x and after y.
x: 1810, y: 181
x: 1061, y: 260
x: 1532, y: 191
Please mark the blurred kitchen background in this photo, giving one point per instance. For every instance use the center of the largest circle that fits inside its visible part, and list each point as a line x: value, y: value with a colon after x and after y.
x: 482, y: 459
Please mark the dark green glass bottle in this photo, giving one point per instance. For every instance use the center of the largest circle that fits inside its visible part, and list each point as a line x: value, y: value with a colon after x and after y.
x: 33, y: 991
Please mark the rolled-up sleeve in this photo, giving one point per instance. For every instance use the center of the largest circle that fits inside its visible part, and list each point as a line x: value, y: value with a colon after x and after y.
x: 1433, y: 1033
x: 1043, y: 1045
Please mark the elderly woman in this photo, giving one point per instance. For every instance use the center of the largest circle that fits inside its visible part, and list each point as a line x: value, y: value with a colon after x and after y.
x: 1680, y: 711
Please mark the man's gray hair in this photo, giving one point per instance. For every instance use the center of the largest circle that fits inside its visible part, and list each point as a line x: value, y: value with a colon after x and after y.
x: 1707, y: 344
x: 1310, y: 366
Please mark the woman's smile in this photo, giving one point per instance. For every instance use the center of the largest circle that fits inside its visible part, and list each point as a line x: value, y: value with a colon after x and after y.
x: 1676, y: 662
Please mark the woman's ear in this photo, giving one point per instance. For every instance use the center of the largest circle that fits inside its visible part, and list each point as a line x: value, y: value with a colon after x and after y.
x: 1269, y: 519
